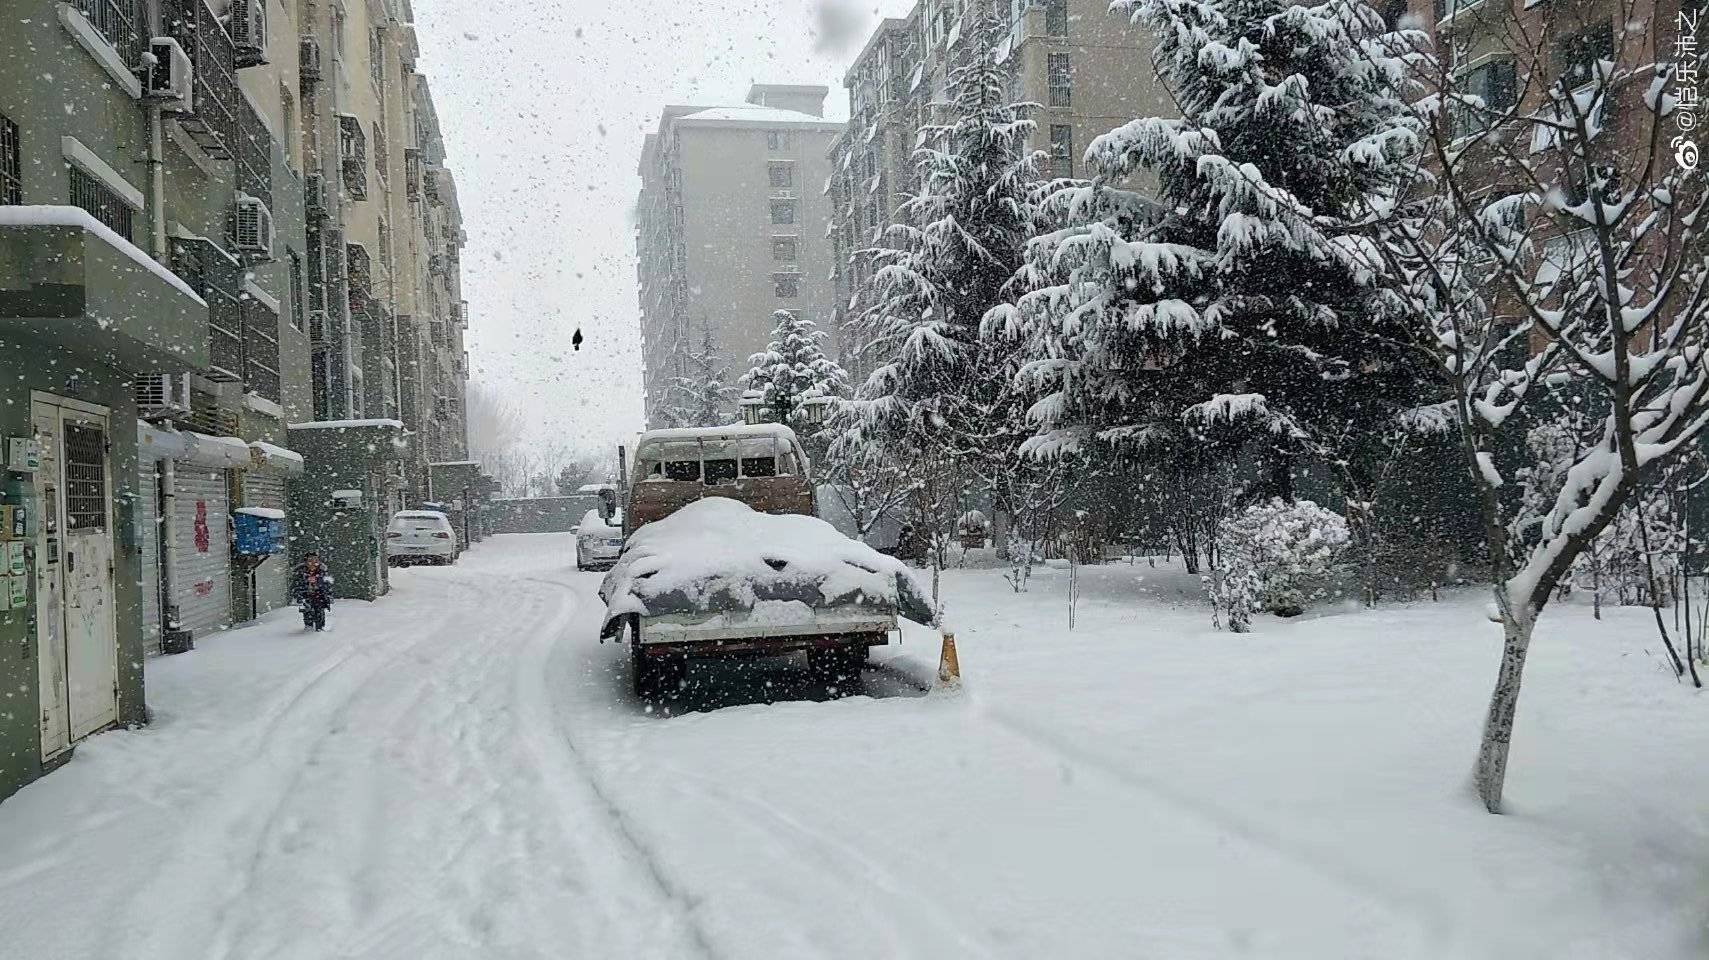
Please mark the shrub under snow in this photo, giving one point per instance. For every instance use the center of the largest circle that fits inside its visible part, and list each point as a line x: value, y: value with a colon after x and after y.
x: 1276, y: 556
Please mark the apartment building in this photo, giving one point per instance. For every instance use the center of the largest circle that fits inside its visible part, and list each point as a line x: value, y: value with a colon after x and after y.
x: 174, y: 275
x: 385, y: 307
x: 1086, y: 69
x: 731, y: 224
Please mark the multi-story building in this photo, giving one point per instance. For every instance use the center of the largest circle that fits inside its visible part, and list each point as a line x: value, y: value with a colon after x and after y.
x: 1086, y: 69
x: 201, y: 277
x: 730, y: 229
x: 384, y: 290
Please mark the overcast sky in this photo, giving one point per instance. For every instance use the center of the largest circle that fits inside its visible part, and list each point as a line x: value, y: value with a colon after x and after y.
x: 544, y: 106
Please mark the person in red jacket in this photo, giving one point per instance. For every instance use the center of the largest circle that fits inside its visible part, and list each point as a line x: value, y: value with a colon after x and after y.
x: 311, y: 587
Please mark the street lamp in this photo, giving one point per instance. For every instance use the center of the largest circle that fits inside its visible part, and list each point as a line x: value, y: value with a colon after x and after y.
x: 815, y: 410
x: 753, y: 407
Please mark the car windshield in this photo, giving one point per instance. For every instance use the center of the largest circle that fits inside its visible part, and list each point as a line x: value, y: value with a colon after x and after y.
x: 854, y: 479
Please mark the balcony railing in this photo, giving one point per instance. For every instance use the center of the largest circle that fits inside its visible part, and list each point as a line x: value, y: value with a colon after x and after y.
x: 214, y: 124
x: 217, y: 278
x: 120, y: 21
x: 261, y: 350
x: 254, y: 154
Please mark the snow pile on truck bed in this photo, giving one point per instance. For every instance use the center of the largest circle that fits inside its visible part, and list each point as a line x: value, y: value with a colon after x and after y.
x: 719, y: 556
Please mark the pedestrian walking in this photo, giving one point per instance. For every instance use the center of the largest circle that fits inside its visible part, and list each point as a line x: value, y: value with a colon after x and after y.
x: 311, y: 588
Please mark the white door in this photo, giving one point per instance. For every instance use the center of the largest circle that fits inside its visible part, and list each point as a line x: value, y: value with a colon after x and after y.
x: 76, y: 627
x: 50, y: 587
x: 91, y: 654
x: 201, y: 548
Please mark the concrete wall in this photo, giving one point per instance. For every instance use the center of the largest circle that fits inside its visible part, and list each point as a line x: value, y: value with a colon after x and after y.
x: 540, y: 515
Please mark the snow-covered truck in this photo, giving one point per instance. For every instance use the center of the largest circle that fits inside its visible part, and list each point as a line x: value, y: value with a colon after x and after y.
x: 724, y: 558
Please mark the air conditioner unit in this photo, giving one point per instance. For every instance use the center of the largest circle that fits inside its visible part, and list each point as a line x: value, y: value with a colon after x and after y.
x: 252, y: 227
x: 249, y: 31
x: 308, y: 59
x: 314, y: 196
x: 168, y: 76
x: 162, y: 396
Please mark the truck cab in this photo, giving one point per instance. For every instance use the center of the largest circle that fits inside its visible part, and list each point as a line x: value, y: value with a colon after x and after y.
x: 762, y: 465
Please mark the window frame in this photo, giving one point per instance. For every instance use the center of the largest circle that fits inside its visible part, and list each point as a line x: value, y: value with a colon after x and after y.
x: 786, y: 285
x: 1061, y: 160
x: 1059, y: 94
x: 11, y: 162
x: 787, y: 168
x: 794, y: 249
x: 782, y: 205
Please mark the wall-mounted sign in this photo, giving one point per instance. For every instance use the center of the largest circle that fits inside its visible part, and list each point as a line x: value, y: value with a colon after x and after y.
x: 20, y: 592
x: 15, y: 557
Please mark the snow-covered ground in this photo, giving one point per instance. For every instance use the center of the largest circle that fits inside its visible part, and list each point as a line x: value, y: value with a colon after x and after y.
x: 459, y: 771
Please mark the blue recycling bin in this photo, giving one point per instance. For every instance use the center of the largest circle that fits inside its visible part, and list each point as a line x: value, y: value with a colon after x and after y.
x: 257, y: 535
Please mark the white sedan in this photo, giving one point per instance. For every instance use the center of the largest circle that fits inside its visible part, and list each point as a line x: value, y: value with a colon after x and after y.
x: 420, y: 536
x: 598, y: 544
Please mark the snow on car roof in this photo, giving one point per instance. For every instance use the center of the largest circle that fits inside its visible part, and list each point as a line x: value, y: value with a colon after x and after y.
x: 714, y: 552
x: 419, y: 515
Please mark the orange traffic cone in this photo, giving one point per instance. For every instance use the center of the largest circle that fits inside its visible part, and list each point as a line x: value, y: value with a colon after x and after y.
x: 949, y: 668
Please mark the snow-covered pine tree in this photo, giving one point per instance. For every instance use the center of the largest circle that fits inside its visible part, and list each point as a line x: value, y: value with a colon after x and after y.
x: 701, y: 396
x: 939, y: 385
x: 1234, y: 306
x: 793, y: 368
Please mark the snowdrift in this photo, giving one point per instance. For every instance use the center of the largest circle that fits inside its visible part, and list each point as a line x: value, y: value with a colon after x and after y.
x: 718, y: 556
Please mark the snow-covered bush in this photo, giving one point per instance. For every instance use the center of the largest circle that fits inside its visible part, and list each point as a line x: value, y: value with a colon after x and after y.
x: 1276, y: 556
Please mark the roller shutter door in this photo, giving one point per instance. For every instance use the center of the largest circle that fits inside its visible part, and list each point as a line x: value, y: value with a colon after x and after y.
x: 148, y: 543
x: 273, y: 577
x: 201, y: 548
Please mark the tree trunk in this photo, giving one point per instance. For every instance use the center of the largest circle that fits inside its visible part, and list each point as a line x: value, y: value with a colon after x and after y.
x: 1491, y: 772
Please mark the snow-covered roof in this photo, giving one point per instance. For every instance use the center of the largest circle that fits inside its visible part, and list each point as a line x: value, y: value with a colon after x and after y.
x: 777, y: 430
x: 346, y: 424
x: 42, y: 215
x: 753, y: 114
x: 265, y: 513
x: 275, y: 452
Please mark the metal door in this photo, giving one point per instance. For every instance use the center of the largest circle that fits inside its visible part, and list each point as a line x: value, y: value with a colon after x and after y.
x: 148, y: 536
x: 86, y: 500
x: 272, y: 580
x: 201, y: 548
x: 50, y: 606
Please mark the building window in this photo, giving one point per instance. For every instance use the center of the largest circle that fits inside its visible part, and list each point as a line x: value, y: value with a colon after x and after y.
x: 788, y: 285
x: 1061, y: 150
x: 1576, y: 55
x: 1494, y: 82
x: 119, y: 21
x: 783, y: 212
x: 381, y: 162
x: 779, y: 140
x: 296, y: 291
x: 1056, y: 18
x: 376, y: 57
x: 781, y: 174
x: 11, y: 163
x: 101, y: 203
x: 783, y: 248
x: 1061, y: 80
x: 85, y: 478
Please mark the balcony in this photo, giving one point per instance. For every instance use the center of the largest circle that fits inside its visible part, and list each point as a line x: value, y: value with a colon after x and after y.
x: 67, y: 281
x: 218, y: 278
x: 213, y: 125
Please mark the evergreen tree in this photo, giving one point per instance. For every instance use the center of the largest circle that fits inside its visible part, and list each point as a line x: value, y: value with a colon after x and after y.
x: 1236, y: 306
x: 793, y: 368
x: 939, y: 382
x: 701, y: 396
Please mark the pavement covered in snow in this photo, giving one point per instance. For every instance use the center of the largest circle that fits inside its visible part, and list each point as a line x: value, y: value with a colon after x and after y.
x: 459, y: 771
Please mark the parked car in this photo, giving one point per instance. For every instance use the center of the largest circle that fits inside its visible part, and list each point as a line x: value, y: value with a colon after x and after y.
x: 420, y: 536
x: 598, y: 544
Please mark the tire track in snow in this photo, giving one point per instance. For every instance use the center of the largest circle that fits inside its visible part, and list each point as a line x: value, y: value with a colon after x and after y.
x: 562, y: 758
x: 224, y: 827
